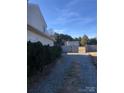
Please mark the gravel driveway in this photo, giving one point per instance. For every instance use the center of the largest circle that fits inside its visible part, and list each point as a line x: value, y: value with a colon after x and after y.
x: 72, y: 74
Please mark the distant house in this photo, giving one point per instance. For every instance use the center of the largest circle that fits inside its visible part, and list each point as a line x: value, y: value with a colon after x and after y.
x: 36, y: 26
x: 91, y: 48
x: 88, y: 48
x: 71, y: 46
x: 72, y: 43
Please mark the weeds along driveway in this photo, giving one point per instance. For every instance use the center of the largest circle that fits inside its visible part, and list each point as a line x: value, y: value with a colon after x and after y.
x: 72, y: 74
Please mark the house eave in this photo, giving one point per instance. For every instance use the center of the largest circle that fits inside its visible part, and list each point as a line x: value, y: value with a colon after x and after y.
x: 31, y: 28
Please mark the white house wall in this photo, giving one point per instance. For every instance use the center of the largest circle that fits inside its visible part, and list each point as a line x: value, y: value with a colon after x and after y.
x: 68, y: 49
x: 33, y: 37
x: 35, y: 18
x: 91, y: 48
x: 72, y: 43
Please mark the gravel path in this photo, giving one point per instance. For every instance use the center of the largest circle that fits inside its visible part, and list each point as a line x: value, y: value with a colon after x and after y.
x: 72, y: 74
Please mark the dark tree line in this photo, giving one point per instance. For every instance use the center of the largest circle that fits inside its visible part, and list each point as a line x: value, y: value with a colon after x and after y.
x: 92, y: 41
x: 61, y: 38
x: 85, y: 40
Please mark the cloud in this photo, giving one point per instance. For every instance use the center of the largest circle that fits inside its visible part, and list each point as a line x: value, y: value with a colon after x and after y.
x: 72, y: 17
x: 67, y: 15
x: 72, y: 3
x: 73, y: 20
x: 60, y: 31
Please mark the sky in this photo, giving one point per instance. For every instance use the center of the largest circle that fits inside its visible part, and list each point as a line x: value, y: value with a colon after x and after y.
x: 72, y: 17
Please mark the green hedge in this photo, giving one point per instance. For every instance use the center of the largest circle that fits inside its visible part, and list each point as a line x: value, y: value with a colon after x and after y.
x: 38, y: 56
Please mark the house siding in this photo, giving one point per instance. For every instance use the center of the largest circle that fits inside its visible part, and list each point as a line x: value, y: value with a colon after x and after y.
x: 36, y: 26
x: 35, y: 18
x: 34, y: 37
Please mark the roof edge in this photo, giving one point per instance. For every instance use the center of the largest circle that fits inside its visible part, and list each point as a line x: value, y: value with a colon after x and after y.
x: 31, y: 28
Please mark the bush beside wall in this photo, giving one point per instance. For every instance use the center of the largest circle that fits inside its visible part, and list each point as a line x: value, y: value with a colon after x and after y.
x: 38, y: 56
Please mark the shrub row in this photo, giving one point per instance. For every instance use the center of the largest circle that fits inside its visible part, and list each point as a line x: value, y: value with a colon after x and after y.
x: 38, y: 56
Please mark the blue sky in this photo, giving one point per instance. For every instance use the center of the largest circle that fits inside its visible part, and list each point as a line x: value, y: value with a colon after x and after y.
x: 73, y: 17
